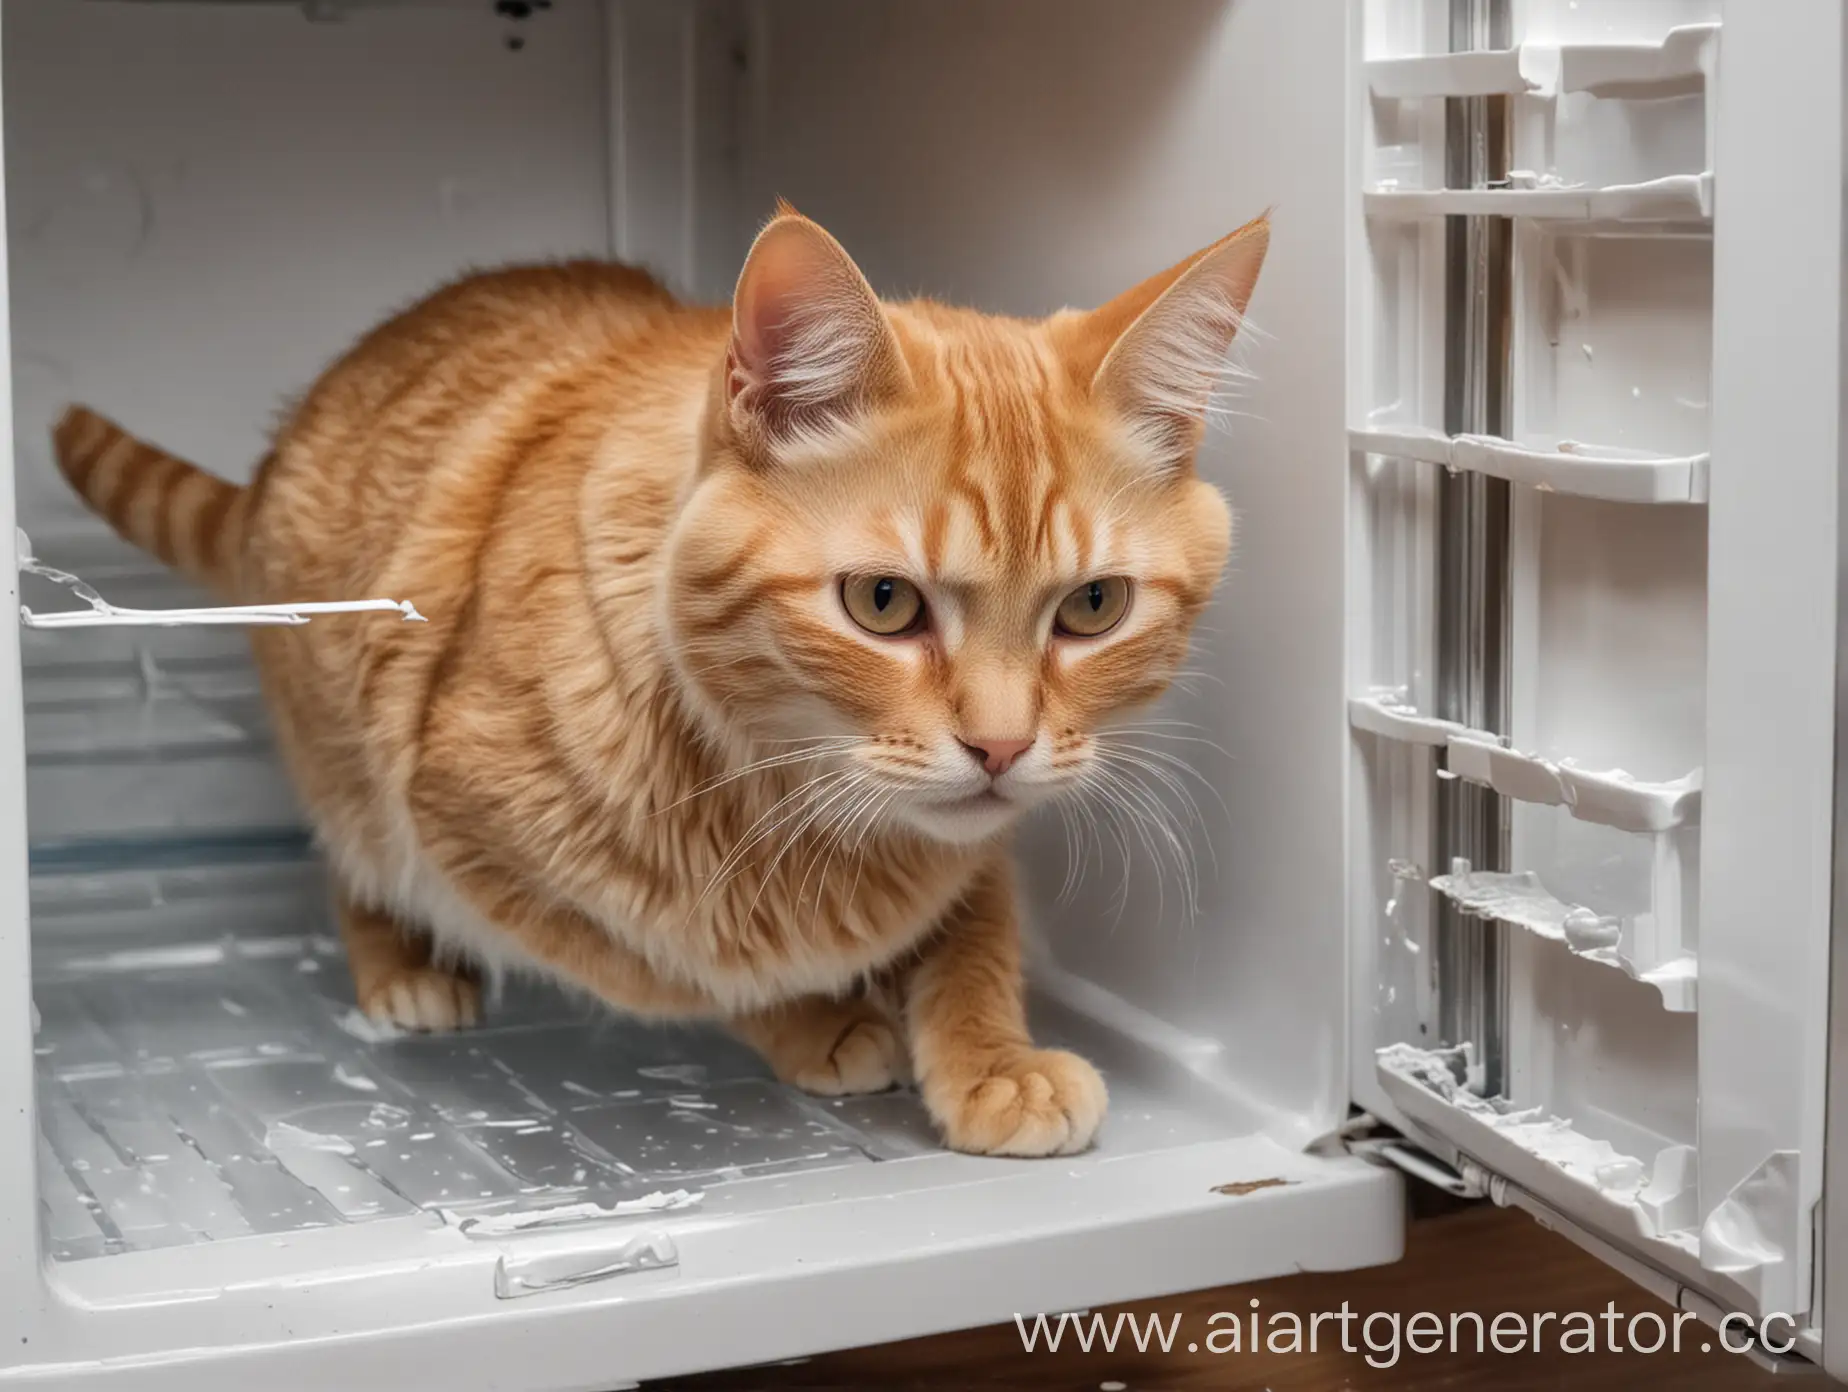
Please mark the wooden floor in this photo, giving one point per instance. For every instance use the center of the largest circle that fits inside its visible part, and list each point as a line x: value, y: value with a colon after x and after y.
x: 1479, y: 1258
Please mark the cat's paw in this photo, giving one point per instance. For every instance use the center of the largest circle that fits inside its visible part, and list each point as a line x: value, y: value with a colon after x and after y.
x: 866, y: 1056
x: 426, y: 999
x: 1038, y: 1102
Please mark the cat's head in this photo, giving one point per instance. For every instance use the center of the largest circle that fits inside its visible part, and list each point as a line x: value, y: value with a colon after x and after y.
x: 942, y: 551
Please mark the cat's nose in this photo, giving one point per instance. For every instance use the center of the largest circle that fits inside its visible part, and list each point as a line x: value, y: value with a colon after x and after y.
x: 997, y: 755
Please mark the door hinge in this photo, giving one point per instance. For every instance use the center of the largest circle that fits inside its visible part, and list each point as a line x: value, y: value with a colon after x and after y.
x: 1402, y: 1155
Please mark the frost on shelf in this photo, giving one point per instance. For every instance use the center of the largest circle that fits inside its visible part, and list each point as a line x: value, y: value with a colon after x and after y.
x: 1662, y: 1193
x: 1521, y: 899
x: 103, y: 614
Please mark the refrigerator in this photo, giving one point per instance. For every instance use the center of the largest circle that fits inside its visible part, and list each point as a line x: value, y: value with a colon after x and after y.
x: 1513, y: 729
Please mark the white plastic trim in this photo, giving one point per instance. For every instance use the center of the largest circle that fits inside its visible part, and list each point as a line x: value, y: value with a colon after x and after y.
x: 1681, y: 62
x: 1384, y: 714
x: 1569, y: 466
x: 1480, y: 73
x: 1587, y: 471
x: 1674, y: 198
x: 1613, y: 799
x: 1616, y: 799
x: 103, y: 614
x: 1403, y: 442
x: 1610, y: 798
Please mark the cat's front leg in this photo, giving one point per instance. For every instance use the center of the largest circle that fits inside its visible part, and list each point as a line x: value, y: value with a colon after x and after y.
x: 990, y: 1091
x: 833, y: 1048
x: 395, y: 978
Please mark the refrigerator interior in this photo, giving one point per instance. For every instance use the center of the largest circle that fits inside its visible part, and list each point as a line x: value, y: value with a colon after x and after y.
x: 205, y: 202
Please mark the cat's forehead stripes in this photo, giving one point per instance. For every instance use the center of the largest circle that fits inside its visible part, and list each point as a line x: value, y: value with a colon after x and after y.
x: 1002, y: 507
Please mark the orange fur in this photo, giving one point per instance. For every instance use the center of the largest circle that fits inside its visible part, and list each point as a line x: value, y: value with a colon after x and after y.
x: 640, y: 744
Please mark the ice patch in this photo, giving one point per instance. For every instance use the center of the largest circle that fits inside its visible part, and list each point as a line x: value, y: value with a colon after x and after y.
x: 283, y: 1136
x: 687, y: 1074
x: 359, y: 1082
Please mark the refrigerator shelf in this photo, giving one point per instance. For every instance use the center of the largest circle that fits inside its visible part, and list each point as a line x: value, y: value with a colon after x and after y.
x: 1607, y: 473
x: 1610, y: 798
x: 1671, y: 199
x: 1681, y: 62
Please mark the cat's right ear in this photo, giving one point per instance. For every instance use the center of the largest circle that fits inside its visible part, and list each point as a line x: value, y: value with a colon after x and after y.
x: 811, y: 347
x: 1155, y: 353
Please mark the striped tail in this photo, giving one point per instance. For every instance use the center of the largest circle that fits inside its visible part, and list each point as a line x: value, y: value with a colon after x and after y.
x: 188, y: 518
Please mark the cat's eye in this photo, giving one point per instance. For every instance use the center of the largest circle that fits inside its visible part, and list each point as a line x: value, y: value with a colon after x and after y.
x: 1094, y: 608
x: 883, y: 604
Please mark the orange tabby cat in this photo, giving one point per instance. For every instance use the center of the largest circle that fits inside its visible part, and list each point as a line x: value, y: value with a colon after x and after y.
x: 751, y: 634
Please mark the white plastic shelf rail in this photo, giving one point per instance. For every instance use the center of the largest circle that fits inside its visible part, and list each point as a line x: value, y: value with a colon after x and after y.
x: 1612, y: 798
x: 1649, y: 1203
x: 103, y: 614
x: 1647, y: 947
x: 1586, y: 471
x: 1679, y: 64
x: 1682, y: 63
x: 1674, y: 198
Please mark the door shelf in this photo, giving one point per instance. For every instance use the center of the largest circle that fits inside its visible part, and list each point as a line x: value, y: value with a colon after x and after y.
x: 1650, y: 1207
x: 1567, y: 466
x: 1608, y: 798
x: 1608, y: 867
x: 1491, y: 72
x: 1521, y: 898
x: 1676, y: 199
x: 1681, y: 63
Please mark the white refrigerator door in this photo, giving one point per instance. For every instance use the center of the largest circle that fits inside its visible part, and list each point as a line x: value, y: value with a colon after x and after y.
x: 1594, y: 391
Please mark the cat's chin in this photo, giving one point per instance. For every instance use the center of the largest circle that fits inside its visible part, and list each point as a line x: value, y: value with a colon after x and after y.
x: 964, y: 822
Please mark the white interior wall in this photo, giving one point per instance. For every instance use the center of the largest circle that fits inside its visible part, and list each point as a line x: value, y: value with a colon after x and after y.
x: 206, y: 203
x: 1043, y: 152
x: 209, y: 202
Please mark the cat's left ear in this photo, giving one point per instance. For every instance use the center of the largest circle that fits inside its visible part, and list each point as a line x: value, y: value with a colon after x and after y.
x: 811, y: 345
x: 1155, y: 353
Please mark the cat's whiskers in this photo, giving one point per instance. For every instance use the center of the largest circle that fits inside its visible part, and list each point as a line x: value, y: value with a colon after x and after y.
x: 1109, y: 822
x: 1150, y: 818
x: 833, y: 828
x: 862, y: 845
x: 857, y: 778
x: 833, y: 744
x: 1068, y: 835
x: 1124, y: 760
x: 868, y: 798
x: 757, y: 831
x: 1119, y: 798
x: 1117, y: 743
